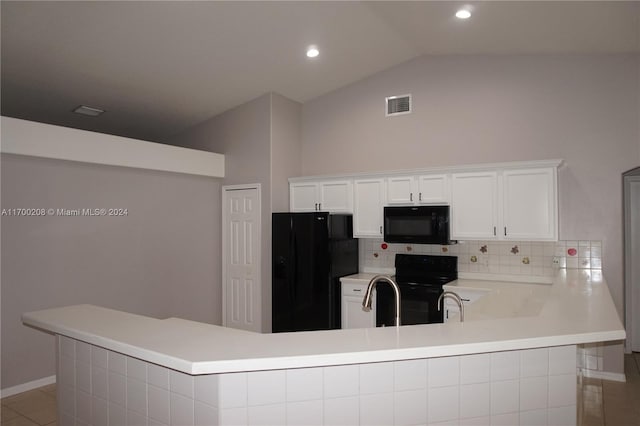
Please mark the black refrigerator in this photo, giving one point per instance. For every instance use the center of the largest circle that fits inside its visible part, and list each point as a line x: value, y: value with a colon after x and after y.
x: 310, y: 252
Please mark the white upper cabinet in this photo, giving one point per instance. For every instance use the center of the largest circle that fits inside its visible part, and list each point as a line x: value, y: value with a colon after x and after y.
x: 400, y: 190
x: 422, y: 189
x: 332, y: 196
x: 474, y: 213
x: 368, y: 208
x: 433, y: 189
x: 303, y: 197
x: 529, y: 205
x: 503, y: 201
x: 511, y: 204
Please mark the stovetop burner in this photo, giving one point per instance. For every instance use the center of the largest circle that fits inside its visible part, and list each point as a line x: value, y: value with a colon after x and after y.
x: 424, y: 269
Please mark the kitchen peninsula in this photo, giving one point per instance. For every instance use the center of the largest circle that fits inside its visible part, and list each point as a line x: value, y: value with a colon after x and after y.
x: 513, y: 361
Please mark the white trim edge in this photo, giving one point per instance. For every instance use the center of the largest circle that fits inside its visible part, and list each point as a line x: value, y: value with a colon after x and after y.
x: 34, y: 139
x: 605, y: 375
x: 24, y: 387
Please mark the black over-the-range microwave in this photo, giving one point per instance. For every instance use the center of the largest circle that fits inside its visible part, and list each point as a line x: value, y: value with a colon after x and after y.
x: 417, y: 224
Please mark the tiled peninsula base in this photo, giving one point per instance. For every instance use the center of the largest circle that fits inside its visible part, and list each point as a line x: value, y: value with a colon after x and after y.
x: 527, y: 387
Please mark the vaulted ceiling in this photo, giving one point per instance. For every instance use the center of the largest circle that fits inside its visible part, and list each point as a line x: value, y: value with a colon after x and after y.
x: 158, y: 68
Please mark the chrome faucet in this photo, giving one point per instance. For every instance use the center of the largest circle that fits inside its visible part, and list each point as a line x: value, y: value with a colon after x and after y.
x: 366, y: 302
x: 453, y: 295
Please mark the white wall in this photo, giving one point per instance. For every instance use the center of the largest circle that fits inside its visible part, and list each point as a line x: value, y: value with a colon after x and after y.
x: 475, y: 109
x: 159, y: 260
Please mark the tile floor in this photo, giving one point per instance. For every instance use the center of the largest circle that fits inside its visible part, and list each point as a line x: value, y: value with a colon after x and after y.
x: 607, y: 403
x: 600, y: 402
x: 33, y: 408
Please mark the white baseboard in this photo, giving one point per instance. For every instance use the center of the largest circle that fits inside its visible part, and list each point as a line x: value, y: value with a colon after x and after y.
x: 605, y: 375
x: 24, y: 387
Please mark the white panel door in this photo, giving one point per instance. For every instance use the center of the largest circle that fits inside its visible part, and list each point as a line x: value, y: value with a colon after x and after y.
x: 474, y: 205
x: 241, y: 257
x: 529, y: 205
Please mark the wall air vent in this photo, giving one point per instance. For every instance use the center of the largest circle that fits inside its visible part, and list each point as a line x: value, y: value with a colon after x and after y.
x: 397, y: 105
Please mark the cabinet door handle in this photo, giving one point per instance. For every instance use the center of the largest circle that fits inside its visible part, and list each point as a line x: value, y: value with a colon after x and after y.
x: 357, y: 290
x: 411, y: 196
x: 316, y: 207
x: 420, y: 196
x: 380, y: 230
x: 494, y: 231
x: 319, y: 206
x: 505, y: 231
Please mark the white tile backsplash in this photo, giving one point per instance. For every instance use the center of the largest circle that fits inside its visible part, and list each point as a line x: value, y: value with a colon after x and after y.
x: 137, y: 396
x: 533, y: 393
x: 99, y: 412
x: 505, y: 365
x: 562, y: 390
x: 410, y: 375
x: 505, y: 397
x: 99, y: 357
x: 376, y: 409
x: 181, y: 410
x: 136, y: 369
x: 233, y: 390
x: 204, y: 414
x: 305, y: 413
x: 495, y: 257
x: 158, y: 376
x: 526, y: 386
x: 410, y: 407
x: 181, y: 383
x: 266, y: 387
x: 562, y: 416
x: 341, y: 381
x: 475, y: 400
x: 475, y: 368
x: 304, y: 384
x: 158, y: 407
x: 99, y: 382
x: 444, y: 371
x: 376, y: 377
x: 341, y: 411
x: 443, y: 404
x: 534, y: 362
x: 267, y: 415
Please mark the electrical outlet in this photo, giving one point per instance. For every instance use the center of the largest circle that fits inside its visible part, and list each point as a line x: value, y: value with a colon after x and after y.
x: 556, y: 261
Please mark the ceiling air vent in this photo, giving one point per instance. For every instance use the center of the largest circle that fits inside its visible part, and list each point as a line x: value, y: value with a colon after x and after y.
x: 397, y: 105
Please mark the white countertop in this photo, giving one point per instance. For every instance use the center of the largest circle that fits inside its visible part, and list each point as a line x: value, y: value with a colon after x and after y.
x: 577, y: 308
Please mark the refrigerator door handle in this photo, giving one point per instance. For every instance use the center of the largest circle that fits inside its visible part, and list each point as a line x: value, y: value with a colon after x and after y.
x: 294, y: 261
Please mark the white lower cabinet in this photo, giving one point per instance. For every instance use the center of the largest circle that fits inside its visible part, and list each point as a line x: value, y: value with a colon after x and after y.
x: 353, y: 316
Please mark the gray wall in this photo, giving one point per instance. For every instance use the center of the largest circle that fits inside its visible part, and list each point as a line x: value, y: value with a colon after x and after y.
x: 285, y: 148
x: 475, y: 109
x: 161, y: 260
x: 261, y: 143
x: 243, y: 135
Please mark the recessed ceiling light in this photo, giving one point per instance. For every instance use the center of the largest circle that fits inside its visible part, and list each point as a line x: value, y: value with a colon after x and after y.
x: 312, y: 52
x: 463, y: 14
x: 87, y: 110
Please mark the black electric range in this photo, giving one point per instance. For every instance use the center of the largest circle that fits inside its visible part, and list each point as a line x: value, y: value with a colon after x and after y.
x: 420, y: 278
